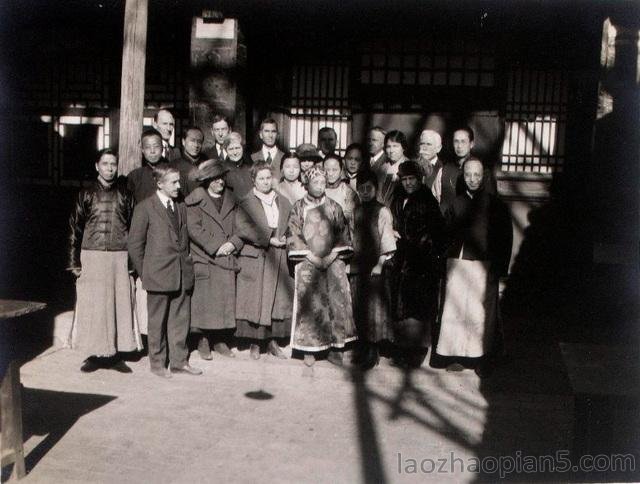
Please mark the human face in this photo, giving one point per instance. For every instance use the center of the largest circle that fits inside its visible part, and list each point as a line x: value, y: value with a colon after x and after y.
x: 366, y: 191
x: 332, y: 169
x: 317, y: 186
x: 306, y: 165
x: 410, y: 183
x: 473, y: 172
x: 291, y: 169
x: 263, y: 181
x: 152, y: 149
x: 220, y: 130
x: 170, y: 184
x: 375, y: 142
x: 461, y: 143
x: 235, y: 150
x: 217, y: 186
x: 269, y: 134
x: 165, y: 124
x: 192, y: 143
x: 394, y: 150
x: 327, y: 142
x: 107, y: 167
x: 429, y: 146
x: 353, y: 160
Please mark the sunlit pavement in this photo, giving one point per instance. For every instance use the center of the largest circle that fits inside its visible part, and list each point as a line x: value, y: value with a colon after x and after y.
x: 277, y: 421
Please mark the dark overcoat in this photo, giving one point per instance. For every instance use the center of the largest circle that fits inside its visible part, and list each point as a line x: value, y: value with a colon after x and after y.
x: 264, y: 285
x: 214, y: 295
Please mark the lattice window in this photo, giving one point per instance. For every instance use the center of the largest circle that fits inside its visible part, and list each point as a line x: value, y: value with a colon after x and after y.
x: 319, y: 97
x: 428, y: 62
x: 535, y: 121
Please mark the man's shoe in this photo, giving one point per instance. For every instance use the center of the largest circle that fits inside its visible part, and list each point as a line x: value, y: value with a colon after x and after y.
x: 90, y: 365
x: 161, y: 372
x: 455, y: 367
x: 309, y: 359
x: 223, y: 350
x: 335, y: 357
x: 254, y: 352
x: 121, y: 367
x: 275, y: 350
x: 188, y: 369
x: 204, y: 350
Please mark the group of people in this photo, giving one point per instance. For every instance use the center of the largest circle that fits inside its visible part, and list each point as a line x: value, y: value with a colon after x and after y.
x: 305, y: 248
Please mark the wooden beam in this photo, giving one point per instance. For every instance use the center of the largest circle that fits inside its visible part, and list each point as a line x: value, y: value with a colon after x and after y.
x: 132, y: 84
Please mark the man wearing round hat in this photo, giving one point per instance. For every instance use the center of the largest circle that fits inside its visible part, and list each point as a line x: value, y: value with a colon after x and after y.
x: 420, y: 230
x: 210, y: 214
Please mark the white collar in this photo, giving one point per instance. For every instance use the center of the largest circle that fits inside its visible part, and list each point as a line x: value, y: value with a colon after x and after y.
x: 163, y: 199
x: 267, y: 198
x: 377, y: 157
x: 265, y: 152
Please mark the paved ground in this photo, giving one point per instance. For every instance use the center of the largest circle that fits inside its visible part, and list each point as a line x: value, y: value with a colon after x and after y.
x: 275, y: 421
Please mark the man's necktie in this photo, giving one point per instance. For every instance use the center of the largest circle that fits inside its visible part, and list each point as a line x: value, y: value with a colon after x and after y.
x: 172, y: 215
x: 269, y: 160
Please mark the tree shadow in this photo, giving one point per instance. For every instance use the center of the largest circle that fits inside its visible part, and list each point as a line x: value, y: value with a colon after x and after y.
x: 52, y: 414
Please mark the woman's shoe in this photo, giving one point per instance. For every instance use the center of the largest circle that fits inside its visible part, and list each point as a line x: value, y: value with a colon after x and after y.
x: 275, y: 350
x: 204, y: 350
x: 254, y: 352
x: 309, y: 359
x: 335, y: 357
x: 223, y: 350
x: 371, y: 359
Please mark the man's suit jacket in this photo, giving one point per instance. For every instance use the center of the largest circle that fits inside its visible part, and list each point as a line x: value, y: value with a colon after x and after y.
x: 159, y: 253
x: 377, y: 168
x: 452, y: 184
x: 275, y: 164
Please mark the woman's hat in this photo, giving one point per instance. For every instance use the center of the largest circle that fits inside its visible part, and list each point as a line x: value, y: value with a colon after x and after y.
x: 210, y: 169
x: 409, y: 168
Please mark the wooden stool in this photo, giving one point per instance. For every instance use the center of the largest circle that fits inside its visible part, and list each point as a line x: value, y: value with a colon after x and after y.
x: 11, y: 448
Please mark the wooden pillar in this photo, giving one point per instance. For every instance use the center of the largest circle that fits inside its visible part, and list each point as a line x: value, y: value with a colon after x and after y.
x: 132, y: 84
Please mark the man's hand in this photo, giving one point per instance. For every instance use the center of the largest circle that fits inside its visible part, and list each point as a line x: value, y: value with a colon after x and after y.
x: 277, y: 242
x: 225, y: 249
x: 328, y: 260
x: 377, y: 269
x: 316, y: 261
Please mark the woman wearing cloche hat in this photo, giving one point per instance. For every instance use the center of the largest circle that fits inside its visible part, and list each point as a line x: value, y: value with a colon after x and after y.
x: 210, y: 219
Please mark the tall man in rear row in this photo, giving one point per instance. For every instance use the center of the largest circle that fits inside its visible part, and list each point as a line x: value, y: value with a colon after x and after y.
x: 164, y: 123
x: 269, y: 151
x: 159, y: 250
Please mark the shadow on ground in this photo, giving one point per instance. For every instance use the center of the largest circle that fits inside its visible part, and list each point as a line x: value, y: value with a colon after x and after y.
x: 52, y: 414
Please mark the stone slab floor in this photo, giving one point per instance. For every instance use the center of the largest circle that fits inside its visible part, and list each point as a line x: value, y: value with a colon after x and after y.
x: 276, y: 421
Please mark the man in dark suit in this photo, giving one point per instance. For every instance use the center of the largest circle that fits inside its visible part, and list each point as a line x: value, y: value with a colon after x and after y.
x: 159, y: 250
x: 327, y: 141
x: 375, y: 146
x: 164, y: 123
x: 428, y: 148
x: 269, y: 151
x: 220, y: 128
x: 190, y: 157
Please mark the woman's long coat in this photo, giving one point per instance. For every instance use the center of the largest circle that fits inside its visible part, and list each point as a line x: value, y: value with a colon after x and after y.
x: 264, y: 285
x: 214, y: 294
